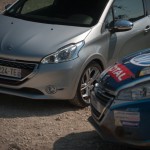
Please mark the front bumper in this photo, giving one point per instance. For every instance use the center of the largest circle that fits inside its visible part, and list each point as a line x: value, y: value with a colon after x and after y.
x: 123, y: 122
x: 63, y: 77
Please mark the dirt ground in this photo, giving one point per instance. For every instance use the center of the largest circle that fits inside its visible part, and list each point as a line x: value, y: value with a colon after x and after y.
x: 3, y: 3
x: 46, y: 125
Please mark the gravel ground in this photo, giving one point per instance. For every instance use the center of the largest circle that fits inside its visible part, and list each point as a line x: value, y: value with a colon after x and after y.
x: 44, y: 125
x: 3, y: 3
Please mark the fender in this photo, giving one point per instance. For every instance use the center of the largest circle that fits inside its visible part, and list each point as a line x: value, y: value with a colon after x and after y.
x: 88, y: 60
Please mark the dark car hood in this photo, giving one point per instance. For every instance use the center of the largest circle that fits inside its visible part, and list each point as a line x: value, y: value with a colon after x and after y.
x: 31, y: 41
x: 131, y: 69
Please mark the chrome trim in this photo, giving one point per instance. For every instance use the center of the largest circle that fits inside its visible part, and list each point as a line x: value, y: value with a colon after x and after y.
x: 104, y: 110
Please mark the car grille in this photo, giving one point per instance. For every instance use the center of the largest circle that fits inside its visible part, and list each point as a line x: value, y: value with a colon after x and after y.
x: 95, y: 112
x: 103, y: 96
x: 27, y: 69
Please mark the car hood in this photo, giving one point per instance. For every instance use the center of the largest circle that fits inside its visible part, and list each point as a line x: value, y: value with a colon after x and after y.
x: 133, y: 69
x: 31, y: 41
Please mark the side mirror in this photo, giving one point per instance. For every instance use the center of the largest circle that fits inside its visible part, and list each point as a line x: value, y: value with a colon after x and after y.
x: 7, y: 6
x: 121, y: 26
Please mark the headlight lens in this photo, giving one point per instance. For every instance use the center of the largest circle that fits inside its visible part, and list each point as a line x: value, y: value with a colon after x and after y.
x: 67, y: 53
x: 136, y: 93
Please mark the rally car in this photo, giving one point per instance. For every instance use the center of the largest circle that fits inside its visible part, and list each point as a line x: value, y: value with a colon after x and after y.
x: 120, y: 102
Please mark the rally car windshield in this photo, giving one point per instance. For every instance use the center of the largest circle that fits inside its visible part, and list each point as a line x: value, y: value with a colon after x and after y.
x: 67, y: 12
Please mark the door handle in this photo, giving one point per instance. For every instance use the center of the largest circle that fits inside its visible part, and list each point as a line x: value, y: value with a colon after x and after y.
x: 147, y: 29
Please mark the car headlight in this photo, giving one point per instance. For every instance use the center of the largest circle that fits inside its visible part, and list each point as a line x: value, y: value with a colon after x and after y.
x: 135, y: 93
x: 66, y: 53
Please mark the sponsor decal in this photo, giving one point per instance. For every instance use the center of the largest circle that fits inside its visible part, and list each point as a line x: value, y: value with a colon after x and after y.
x: 131, y: 124
x: 125, y: 118
x: 120, y: 72
x: 141, y: 60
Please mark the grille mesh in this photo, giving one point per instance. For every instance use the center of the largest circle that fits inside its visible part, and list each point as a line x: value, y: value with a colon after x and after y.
x: 103, y: 96
x: 26, y: 69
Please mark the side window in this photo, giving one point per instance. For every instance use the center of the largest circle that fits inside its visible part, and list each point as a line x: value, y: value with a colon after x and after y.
x: 148, y: 6
x: 108, y: 21
x: 131, y: 10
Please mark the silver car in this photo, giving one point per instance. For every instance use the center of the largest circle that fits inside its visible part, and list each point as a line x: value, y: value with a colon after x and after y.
x: 56, y: 49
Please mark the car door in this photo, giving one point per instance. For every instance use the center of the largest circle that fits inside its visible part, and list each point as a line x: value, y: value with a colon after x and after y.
x: 124, y: 43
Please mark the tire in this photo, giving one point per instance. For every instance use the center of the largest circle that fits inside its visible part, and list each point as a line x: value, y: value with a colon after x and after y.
x: 87, y: 81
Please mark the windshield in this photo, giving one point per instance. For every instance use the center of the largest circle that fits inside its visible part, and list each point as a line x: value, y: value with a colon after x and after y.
x: 67, y: 12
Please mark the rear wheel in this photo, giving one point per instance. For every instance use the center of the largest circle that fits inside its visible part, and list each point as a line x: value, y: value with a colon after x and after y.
x: 87, y: 81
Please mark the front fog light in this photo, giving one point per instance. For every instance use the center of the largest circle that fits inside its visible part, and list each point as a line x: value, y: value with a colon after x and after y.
x: 51, y: 89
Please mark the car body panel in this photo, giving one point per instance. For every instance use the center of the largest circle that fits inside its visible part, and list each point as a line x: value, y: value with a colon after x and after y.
x: 37, y: 41
x: 47, y: 75
x: 28, y: 41
x: 123, y: 120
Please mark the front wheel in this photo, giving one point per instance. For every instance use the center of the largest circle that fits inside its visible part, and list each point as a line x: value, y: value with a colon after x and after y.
x: 87, y: 81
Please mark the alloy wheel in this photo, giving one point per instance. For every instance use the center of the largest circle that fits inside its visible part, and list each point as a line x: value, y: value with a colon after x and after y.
x: 89, y: 78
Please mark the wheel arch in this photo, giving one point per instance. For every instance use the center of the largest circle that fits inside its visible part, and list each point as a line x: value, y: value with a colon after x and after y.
x: 95, y: 58
x: 99, y: 62
x: 77, y: 97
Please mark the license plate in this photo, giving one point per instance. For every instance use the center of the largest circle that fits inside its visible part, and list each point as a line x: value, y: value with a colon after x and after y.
x: 10, y: 72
